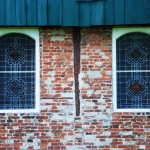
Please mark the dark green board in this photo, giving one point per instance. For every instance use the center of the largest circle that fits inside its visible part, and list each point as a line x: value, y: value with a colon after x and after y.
x: 31, y: 10
x: 54, y: 12
x: 10, y: 8
x: 42, y: 12
x: 2, y: 13
x: 74, y: 12
x: 21, y: 11
x: 70, y: 13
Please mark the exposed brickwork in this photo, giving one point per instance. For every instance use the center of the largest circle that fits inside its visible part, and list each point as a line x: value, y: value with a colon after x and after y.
x: 56, y: 126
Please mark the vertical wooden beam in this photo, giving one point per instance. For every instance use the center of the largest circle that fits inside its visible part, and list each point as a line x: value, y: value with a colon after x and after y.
x: 76, y: 42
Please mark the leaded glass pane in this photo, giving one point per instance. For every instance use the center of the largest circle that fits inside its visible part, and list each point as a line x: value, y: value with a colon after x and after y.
x: 133, y: 71
x: 17, y: 90
x: 17, y: 53
x: 17, y: 72
x: 133, y: 90
x: 133, y: 50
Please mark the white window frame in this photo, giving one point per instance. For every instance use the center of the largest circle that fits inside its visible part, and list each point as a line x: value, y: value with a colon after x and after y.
x: 34, y: 34
x: 116, y: 33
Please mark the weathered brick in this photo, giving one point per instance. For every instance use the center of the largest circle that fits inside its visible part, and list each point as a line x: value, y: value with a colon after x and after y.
x: 56, y: 126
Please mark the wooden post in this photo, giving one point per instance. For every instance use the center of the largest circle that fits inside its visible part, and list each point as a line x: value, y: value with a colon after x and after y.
x: 76, y: 42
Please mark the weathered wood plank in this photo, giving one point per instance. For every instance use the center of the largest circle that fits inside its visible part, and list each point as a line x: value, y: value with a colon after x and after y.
x: 109, y: 12
x: 70, y: 13
x: 21, y: 12
x: 42, y: 12
x: 10, y: 12
x: 142, y: 11
x: 74, y: 12
x: 119, y: 8
x: 31, y: 12
x: 85, y: 13
x: 97, y: 13
x: 2, y: 12
x: 55, y: 12
x: 130, y: 14
x: 77, y: 51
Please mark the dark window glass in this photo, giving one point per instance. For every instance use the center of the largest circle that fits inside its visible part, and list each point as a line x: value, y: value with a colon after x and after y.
x: 133, y: 71
x: 17, y: 53
x: 17, y: 72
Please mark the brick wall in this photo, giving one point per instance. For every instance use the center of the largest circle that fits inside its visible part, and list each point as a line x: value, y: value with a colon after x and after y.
x: 57, y: 126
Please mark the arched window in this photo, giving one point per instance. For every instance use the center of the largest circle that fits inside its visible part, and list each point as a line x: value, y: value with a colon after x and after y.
x: 132, y: 72
x: 18, y: 73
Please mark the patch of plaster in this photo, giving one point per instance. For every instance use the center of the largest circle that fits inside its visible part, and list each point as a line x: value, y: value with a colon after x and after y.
x: 82, y: 84
x: 94, y: 74
x: 97, y: 142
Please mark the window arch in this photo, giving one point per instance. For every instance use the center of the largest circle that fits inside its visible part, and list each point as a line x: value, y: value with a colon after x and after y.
x: 17, y: 52
x: 132, y: 72
x: 18, y: 68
